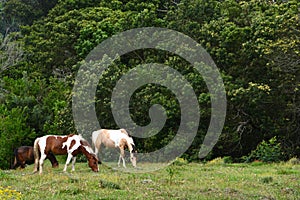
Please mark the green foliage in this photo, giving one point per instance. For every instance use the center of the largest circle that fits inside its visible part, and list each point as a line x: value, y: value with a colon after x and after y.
x: 228, y: 159
x: 255, y: 45
x: 15, y: 13
x: 269, y: 151
x: 180, y: 162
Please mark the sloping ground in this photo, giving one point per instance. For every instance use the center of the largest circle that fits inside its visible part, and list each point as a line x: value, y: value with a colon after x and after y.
x: 187, y: 181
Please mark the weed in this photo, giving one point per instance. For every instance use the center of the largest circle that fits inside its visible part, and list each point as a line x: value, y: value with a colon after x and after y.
x: 171, y: 169
x: 108, y: 184
x: 7, y: 193
x: 267, y: 179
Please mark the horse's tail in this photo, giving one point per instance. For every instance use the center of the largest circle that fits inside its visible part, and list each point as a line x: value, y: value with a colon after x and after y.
x: 14, y: 166
x: 36, y: 153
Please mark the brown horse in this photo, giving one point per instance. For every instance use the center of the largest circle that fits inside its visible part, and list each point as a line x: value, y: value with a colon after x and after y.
x: 24, y: 155
x: 61, y: 145
x: 115, y: 139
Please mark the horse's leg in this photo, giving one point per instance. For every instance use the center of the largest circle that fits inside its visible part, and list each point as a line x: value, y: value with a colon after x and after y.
x: 123, y: 162
x: 119, y: 160
x: 41, y: 162
x: 16, y: 163
x: 122, y: 155
x: 68, y: 161
x: 36, y: 165
x: 96, y: 153
x: 73, y: 163
x: 23, y: 165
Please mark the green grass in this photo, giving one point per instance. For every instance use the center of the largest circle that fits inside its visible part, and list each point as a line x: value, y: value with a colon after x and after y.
x: 188, y: 181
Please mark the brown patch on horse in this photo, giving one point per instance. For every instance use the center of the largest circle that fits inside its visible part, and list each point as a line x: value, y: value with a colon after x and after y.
x: 105, y: 133
x: 105, y: 138
x: 73, y: 142
x: 123, y: 143
x: 54, y: 145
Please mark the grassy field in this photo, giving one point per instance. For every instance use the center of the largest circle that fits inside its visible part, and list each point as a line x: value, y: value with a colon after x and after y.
x: 213, y: 180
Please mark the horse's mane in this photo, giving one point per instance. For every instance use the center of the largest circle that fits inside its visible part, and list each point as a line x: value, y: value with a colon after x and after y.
x: 83, y: 141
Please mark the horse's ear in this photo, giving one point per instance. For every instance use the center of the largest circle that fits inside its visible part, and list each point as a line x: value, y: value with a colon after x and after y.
x: 134, y: 151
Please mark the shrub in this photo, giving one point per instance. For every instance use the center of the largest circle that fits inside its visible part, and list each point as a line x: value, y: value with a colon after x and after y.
x: 228, y: 159
x: 269, y: 151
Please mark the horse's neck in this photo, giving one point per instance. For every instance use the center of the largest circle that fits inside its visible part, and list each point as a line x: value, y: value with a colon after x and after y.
x: 86, y: 150
x: 129, y: 145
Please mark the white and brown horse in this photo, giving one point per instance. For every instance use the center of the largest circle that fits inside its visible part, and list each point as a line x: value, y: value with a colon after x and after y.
x: 61, y: 145
x: 115, y: 139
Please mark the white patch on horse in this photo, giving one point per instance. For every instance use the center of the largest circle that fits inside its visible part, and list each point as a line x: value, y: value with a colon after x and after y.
x: 116, y: 136
x: 89, y: 149
x: 68, y: 143
x: 42, y: 143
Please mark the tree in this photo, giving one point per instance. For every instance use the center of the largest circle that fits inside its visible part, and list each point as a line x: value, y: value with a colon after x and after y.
x: 11, y: 51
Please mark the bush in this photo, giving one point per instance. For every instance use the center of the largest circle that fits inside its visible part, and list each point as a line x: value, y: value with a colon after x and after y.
x: 180, y: 161
x: 216, y: 161
x: 269, y: 151
x: 228, y: 159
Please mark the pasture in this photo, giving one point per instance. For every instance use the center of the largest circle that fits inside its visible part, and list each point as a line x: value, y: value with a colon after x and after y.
x: 213, y: 180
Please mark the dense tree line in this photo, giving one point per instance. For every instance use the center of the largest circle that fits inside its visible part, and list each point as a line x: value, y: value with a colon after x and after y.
x: 255, y: 45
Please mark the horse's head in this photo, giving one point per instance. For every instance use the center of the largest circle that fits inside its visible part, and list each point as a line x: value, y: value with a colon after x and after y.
x: 133, y: 155
x: 93, y: 163
x: 133, y: 160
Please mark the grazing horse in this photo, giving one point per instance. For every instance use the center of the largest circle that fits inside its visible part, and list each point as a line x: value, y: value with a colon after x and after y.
x: 115, y: 139
x: 24, y: 155
x: 61, y: 145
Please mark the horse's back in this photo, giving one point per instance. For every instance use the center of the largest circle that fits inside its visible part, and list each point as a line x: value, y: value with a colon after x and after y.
x: 26, y: 153
x: 23, y: 155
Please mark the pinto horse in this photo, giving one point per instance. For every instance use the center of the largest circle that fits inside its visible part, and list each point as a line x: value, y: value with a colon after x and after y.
x: 115, y: 139
x: 24, y: 155
x: 61, y: 145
